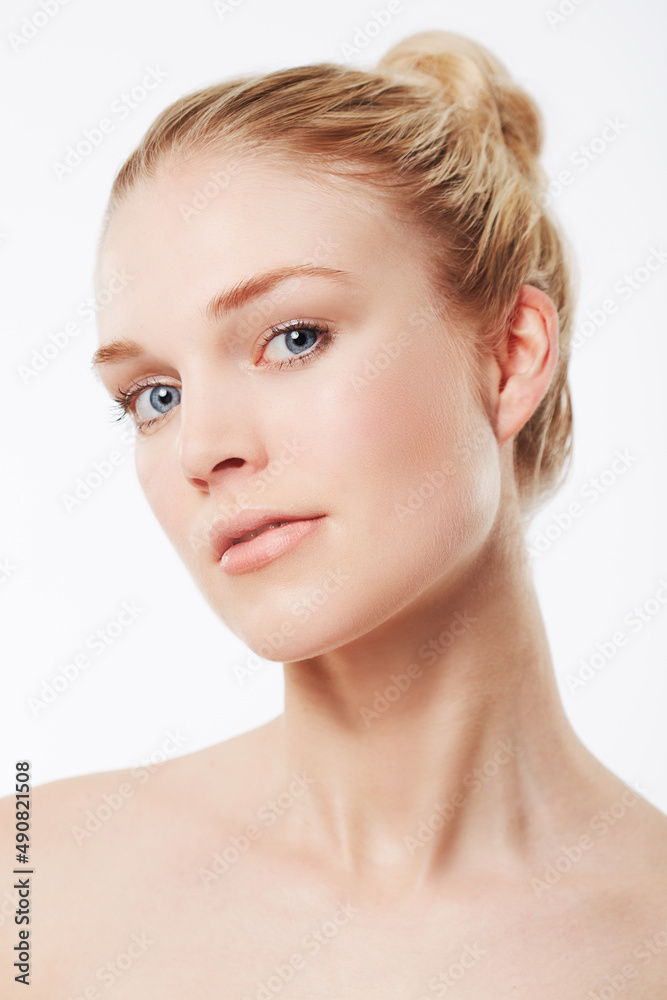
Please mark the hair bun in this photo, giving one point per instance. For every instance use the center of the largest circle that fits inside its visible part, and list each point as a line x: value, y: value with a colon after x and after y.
x: 464, y: 72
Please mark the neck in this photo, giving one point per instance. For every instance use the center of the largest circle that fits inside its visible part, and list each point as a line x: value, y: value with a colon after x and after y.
x: 439, y: 739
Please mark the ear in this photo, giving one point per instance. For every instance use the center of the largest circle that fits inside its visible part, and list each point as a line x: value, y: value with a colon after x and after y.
x: 525, y: 364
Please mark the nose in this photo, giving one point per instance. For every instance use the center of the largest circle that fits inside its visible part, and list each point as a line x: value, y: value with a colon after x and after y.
x: 218, y: 440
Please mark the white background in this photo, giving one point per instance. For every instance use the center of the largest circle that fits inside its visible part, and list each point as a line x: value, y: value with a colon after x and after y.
x: 69, y: 572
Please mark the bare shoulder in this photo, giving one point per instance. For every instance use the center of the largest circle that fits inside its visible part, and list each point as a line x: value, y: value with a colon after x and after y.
x: 645, y: 842
x: 624, y: 851
x: 64, y: 813
x: 77, y: 818
x: 106, y: 846
x: 632, y: 903
x: 640, y: 830
x: 54, y: 807
x: 39, y: 835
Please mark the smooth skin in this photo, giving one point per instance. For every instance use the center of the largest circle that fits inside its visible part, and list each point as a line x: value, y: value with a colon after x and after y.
x: 390, y: 834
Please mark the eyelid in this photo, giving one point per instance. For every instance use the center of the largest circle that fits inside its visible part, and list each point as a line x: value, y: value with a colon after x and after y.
x: 137, y: 388
x: 321, y: 327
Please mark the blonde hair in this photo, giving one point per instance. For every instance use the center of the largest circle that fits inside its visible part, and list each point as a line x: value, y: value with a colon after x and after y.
x: 441, y: 127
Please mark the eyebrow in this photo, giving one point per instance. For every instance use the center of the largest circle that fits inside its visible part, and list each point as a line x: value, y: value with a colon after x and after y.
x: 224, y: 302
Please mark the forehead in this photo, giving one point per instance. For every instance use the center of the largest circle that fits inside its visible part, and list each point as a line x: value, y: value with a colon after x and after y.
x: 245, y: 216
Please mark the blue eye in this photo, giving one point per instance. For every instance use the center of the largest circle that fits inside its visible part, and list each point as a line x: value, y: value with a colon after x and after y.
x: 292, y: 335
x: 161, y: 397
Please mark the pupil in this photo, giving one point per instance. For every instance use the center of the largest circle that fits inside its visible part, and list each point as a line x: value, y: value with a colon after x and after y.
x: 296, y: 334
x: 161, y: 395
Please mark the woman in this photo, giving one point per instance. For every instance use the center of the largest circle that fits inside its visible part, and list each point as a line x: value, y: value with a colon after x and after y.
x: 422, y: 817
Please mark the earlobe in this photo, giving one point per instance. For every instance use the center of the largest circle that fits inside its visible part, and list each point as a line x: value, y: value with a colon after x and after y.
x: 527, y: 360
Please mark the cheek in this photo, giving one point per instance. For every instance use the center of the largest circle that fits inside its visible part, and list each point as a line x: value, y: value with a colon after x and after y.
x: 407, y: 460
x: 161, y: 480
x: 378, y: 431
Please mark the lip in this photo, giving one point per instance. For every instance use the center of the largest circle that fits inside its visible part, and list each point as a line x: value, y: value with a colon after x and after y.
x: 265, y: 547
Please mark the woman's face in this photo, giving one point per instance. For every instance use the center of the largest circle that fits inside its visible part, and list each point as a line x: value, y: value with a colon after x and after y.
x: 375, y: 431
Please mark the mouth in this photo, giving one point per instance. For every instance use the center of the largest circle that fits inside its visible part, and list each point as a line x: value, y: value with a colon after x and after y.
x: 258, y: 531
x: 264, y: 544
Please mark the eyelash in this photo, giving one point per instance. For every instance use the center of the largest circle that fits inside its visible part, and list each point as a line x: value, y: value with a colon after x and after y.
x: 124, y: 400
